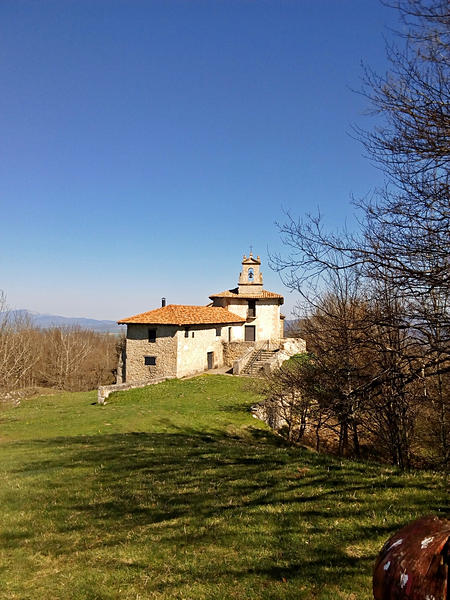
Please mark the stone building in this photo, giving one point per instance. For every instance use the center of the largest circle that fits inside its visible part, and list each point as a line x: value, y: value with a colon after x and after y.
x: 179, y: 340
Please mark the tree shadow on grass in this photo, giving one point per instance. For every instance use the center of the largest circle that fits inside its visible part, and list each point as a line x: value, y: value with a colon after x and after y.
x: 209, y: 494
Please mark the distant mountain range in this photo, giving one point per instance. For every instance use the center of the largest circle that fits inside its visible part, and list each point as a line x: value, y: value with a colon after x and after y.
x: 45, y: 321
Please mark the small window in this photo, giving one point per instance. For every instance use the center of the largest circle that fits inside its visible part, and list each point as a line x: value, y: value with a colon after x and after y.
x: 150, y: 360
x: 152, y: 335
x: 186, y: 333
x: 252, y: 308
x: 218, y: 331
x: 193, y: 333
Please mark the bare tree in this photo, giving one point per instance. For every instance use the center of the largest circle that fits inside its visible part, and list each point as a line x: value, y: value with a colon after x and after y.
x: 402, y: 250
x: 76, y: 359
x: 17, y: 354
x: 67, y: 358
x: 288, y: 398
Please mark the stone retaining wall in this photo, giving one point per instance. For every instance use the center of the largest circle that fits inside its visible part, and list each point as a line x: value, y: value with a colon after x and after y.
x: 272, y: 412
x: 105, y: 390
x: 234, y: 350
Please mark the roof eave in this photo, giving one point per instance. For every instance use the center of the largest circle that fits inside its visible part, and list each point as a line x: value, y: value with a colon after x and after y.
x: 181, y: 324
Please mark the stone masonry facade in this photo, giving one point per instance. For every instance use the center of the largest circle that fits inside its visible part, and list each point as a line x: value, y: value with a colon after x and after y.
x: 163, y: 349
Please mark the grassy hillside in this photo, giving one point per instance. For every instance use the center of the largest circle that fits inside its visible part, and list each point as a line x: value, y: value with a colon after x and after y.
x: 176, y: 492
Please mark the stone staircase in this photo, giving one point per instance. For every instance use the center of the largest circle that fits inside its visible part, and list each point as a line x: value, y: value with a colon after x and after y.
x: 257, y: 361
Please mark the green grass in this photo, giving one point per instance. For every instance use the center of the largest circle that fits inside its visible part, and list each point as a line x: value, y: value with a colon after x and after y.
x: 175, y: 491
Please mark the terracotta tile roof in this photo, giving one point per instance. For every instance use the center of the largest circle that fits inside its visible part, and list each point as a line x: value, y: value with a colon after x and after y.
x: 234, y: 294
x: 178, y: 314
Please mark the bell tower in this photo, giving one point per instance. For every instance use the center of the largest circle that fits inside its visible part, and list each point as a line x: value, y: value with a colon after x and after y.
x: 250, y: 278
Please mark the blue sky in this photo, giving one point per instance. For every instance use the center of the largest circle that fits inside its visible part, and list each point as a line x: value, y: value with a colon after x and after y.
x: 144, y: 145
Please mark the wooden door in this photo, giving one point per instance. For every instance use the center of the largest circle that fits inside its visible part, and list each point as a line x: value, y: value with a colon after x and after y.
x: 250, y: 333
x: 210, y: 356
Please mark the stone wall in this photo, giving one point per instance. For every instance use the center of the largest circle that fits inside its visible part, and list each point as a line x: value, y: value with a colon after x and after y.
x: 234, y: 350
x: 164, y: 349
x: 282, y: 351
x: 104, y: 391
x: 287, y: 347
x: 271, y: 412
x: 192, y: 351
x: 291, y: 346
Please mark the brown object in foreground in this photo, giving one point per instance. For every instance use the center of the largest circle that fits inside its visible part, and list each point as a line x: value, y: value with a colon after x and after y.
x: 414, y: 563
